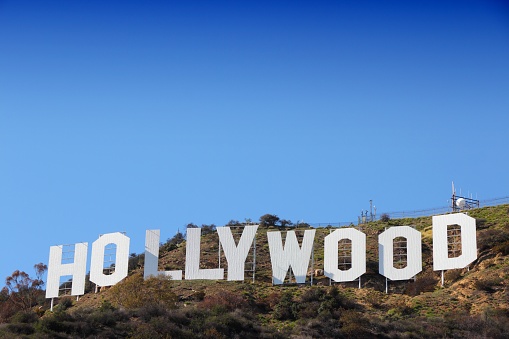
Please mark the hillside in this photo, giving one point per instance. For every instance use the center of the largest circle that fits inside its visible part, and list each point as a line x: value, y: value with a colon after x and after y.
x: 474, y: 302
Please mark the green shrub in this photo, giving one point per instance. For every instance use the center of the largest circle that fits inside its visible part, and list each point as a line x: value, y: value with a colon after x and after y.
x: 25, y: 317
x: 334, y: 300
x: 56, y: 323
x: 21, y: 328
x: 106, y: 306
x: 63, y: 304
x: 287, y: 308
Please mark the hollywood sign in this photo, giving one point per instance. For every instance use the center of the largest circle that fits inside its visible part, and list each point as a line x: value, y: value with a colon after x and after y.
x: 283, y: 256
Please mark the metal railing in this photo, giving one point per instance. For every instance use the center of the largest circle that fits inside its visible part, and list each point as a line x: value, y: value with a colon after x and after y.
x: 442, y: 210
x: 414, y: 213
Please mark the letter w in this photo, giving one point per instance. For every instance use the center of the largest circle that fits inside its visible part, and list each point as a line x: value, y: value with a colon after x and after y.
x: 290, y: 255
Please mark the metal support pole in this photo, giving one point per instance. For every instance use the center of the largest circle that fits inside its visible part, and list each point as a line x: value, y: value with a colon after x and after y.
x: 312, y: 263
x: 51, y: 307
x: 442, y: 278
x: 291, y: 269
x: 386, y: 285
x: 370, y: 210
x: 254, y: 258
x: 219, y: 252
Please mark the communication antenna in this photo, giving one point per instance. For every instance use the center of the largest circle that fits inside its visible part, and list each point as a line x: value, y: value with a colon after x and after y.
x: 459, y: 203
x: 367, y: 216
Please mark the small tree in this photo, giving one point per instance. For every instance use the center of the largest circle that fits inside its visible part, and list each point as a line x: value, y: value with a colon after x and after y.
x: 173, y: 242
x: 207, y: 229
x: 385, y: 217
x: 267, y: 220
x: 284, y: 222
x: 22, y: 290
x: 135, y: 261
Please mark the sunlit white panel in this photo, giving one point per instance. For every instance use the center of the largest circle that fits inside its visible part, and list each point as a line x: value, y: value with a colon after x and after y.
x: 193, y: 270
x: 152, y: 257
x: 386, y: 252
x: 290, y: 255
x: 77, y: 269
x: 441, y: 260
x: 97, y: 275
x: 358, y: 253
x: 236, y: 254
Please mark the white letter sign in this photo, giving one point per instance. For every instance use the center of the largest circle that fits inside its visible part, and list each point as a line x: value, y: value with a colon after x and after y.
x: 193, y: 270
x: 290, y: 255
x: 454, y: 247
x: 236, y: 255
x: 97, y: 275
x: 152, y: 257
x: 358, y: 254
x: 77, y: 269
x: 441, y: 260
x: 386, y: 253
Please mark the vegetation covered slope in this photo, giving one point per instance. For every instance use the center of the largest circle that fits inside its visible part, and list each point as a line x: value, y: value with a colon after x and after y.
x: 474, y: 302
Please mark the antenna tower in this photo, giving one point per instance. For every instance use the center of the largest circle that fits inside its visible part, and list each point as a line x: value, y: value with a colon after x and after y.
x: 459, y: 203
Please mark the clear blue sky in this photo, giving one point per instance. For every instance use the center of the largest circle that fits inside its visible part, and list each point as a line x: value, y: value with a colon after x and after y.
x: 126, y: 116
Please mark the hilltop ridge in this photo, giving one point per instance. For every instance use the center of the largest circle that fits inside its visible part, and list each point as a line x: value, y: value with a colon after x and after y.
x: 474, y: 301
